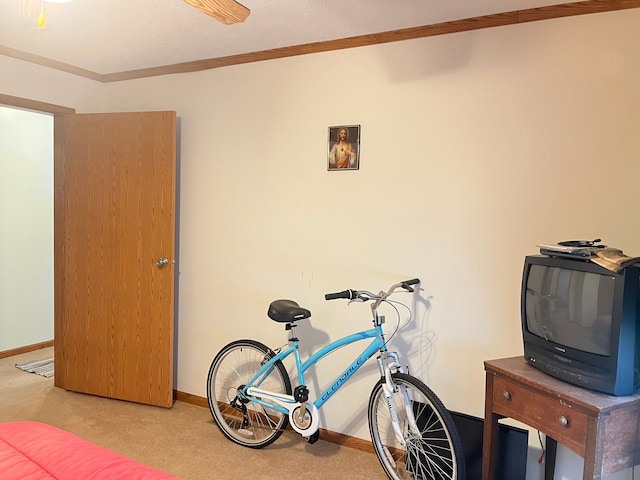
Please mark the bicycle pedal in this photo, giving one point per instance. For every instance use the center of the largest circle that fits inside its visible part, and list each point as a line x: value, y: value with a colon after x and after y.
x: 245, y: 432
x: 313, y: 438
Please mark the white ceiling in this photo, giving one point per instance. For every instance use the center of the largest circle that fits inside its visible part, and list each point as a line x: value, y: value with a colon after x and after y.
x: 110, y: 36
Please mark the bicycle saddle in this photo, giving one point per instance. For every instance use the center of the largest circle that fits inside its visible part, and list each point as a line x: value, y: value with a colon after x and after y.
x: 287, y: 311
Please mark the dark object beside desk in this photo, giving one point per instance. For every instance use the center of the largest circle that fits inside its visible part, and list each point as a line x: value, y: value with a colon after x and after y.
x: 602, y: 429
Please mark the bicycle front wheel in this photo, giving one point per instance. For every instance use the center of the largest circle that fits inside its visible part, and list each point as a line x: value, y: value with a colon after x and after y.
x: 242, y: 421
x: 435, y: 453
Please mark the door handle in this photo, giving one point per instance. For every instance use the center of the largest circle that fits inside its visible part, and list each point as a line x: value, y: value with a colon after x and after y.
x: 162, y: 262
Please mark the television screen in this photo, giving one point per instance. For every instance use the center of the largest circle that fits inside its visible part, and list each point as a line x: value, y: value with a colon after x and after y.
x: 570, y: 307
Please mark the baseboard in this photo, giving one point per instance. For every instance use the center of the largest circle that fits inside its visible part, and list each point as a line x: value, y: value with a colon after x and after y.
x: 328, y: 435
x: 26, y: 349
x: 346, y: 440
x: 192, y: 399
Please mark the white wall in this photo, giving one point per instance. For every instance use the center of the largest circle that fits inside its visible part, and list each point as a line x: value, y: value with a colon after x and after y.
x: 26, y: 232
x: 26, y: 80
x: 475, y: 147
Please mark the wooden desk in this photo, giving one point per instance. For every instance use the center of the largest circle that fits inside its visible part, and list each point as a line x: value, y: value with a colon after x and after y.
x: 602, y: 429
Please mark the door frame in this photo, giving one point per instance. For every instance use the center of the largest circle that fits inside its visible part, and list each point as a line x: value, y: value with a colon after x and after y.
x: 53, y: 110
x: 34, y: 105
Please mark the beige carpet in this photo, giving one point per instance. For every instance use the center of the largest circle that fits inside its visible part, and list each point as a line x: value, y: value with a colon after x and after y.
x: 182, y: 441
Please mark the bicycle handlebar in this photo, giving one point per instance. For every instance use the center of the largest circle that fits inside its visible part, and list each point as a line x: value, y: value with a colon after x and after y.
x: 363, y: 295
x: 348, y: 294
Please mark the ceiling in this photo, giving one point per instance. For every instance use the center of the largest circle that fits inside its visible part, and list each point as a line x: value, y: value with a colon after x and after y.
x: 110, y: 36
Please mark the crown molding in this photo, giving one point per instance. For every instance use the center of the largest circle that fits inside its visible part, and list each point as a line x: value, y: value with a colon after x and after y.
x: 487, y: 21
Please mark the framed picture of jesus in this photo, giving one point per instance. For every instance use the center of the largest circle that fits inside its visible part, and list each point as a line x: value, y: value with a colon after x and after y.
x: 343, y: 152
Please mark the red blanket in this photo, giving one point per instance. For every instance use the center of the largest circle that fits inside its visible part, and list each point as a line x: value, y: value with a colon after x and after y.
x: 36, y: 451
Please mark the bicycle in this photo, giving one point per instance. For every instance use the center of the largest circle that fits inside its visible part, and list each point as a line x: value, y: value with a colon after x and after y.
x: 252, y: 400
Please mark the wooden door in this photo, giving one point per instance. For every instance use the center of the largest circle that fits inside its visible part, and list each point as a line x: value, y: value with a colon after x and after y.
x: 114, y: 215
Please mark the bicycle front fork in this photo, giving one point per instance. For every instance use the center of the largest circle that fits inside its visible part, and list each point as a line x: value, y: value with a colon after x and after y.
x: 387, y: 368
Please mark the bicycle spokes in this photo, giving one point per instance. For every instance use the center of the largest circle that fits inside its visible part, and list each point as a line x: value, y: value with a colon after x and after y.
x: 427, y: 445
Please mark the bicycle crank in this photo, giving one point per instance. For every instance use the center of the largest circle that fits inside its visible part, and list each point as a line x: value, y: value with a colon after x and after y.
x: 306, y: 421
x: 306, y: 424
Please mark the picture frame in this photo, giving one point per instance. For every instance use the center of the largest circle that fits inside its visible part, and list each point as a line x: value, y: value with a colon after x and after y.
x: 343, y: 148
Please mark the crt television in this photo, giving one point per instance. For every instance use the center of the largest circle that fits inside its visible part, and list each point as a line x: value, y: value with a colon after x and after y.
x: 580, y: 322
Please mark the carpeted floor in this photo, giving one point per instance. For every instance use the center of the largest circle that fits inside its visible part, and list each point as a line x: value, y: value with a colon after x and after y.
x: 182, y: 441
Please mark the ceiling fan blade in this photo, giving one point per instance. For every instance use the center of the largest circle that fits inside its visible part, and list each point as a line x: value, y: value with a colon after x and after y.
x: 225, y: 11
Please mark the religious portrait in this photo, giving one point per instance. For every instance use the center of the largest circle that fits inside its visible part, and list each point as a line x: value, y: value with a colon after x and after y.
x: 344, y: 148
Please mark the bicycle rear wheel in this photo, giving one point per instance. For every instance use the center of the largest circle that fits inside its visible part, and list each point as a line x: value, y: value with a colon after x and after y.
x: 435, y: 454
x: 241, y: 420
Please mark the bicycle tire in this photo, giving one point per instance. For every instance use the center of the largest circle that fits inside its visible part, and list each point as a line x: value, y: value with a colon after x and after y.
x: 232, y: 368
x: 436, y: 455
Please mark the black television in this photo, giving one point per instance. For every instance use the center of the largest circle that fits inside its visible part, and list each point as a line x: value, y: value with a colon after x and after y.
x: 580, y: 322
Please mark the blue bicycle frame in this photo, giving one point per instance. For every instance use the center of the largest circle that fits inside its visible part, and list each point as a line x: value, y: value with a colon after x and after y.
x: 377, y: 345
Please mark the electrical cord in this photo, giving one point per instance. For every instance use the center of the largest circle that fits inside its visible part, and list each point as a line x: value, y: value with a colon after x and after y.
x: 541, y: 459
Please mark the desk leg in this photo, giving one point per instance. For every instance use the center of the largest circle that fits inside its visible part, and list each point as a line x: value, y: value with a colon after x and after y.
x: 551, y: 446
x: 490, y: 433
x: 594, y: 449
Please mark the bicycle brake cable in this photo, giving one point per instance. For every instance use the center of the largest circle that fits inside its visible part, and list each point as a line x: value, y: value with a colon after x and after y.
x: 395, y: 330
x: 394, y: 303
